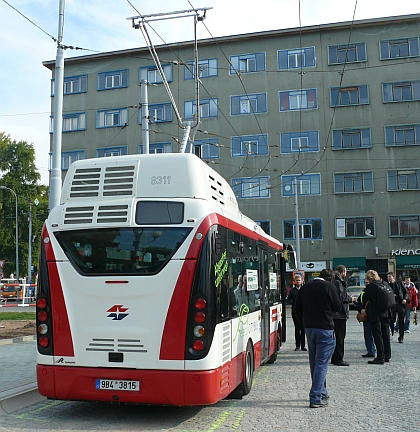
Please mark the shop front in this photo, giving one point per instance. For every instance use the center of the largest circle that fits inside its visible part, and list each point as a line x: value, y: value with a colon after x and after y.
x: 407, y: 263
x: 356, y: 269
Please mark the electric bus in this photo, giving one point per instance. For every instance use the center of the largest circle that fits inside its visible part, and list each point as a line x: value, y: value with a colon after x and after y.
x: 153, y: 287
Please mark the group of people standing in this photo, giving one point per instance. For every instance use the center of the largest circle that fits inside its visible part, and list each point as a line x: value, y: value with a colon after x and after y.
x: 320, y: 310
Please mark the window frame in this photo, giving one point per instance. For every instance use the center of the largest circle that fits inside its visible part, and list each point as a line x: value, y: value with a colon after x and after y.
x: 167, y: 71
x: 211, y: 103
x: 353, y: 176
x: 305, y: 53
x: 109, y: 151
x: 257, y: 103
x: 365, y: 133
x: 122, y: 74
x: 166, y: 108
x: 310, y: 95
x: 342, y: 223
x: 236, y: 61
x: 65, y: 155
x: 212, y: 144
x: 385, y: 48
x: 389, y: 91
x: 392, y: 130
x: 400, y: 227
x: 286, y: 142
x: 341, y: 47
x: 241, y: 141
x: 165, y: 146
x: 267, y: 223
x: 304, y: 181
x: 400, y: 175
x: 80, y: 117
x: 210, y: 63
x: 337, y: 94
x: 303, y: 222
x: 123, y: 115
x: 263, y: 181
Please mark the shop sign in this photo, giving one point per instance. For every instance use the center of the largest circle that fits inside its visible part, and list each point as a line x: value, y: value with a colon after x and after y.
x: 405, y: 252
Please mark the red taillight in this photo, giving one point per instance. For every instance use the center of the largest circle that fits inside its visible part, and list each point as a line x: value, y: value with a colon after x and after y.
x: 200, y: 304
x: 42, y: 316
x: 199, y: 317
x: 44, y: 341
x: 198, y: 345
x: 41, y: 303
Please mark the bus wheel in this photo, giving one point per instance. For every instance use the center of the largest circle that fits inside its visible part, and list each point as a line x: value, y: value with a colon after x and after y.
x: 249, y: 369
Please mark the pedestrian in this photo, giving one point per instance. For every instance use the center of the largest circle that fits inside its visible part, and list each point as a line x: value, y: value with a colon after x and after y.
x: 341, y: 317
x: 299, y: 328
x: 315, y: 305
x: 378, y: 319
x: 412, y: 302
x: 367, y: 330
x: 398, y: 311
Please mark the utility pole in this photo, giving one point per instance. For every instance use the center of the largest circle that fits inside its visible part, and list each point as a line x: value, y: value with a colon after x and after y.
x: 55, y: 180
x: 145, y: 115
x: 297, y: 228
x: 30, y: 242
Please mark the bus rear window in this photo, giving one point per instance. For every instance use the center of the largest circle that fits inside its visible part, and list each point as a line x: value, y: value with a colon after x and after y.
x: 159, y: 212
x: 130, y: 251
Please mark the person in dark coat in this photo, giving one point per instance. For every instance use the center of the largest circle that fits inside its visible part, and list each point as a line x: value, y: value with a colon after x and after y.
x: 398, y: 311
x: 315, y: 305
x: 299, y: 329
x: 341, y: 317
x: 379, y: 319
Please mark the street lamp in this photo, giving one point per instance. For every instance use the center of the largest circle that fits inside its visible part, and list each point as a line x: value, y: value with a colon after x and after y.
x: 17, y: 231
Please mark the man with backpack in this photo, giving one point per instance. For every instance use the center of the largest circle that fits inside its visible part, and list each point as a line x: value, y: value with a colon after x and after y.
x: 398, y: 312
x: 380, y: 298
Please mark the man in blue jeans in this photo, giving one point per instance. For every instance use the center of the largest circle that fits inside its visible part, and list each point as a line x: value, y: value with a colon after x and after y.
x: 314, y: 307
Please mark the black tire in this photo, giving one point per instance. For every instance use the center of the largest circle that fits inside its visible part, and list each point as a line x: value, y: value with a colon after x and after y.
x: 248, y: 369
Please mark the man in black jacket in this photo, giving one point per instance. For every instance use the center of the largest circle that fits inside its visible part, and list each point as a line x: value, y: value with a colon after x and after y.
x: 314, y: 307
x: 401, y: 297
x: 341, y: 317
x: 299, y: 329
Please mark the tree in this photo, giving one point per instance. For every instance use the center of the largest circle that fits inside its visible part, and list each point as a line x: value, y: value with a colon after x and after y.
x: 19, y: 173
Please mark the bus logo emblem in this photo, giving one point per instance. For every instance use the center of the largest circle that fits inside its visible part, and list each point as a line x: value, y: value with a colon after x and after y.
x: 117, y: 312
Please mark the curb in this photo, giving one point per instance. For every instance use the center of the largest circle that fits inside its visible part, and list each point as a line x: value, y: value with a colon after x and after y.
x: 17, y: 340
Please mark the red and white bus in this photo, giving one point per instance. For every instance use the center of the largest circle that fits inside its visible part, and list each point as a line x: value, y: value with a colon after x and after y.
x: 153, y: 287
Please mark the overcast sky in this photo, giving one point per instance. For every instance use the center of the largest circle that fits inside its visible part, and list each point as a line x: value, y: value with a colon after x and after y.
x: 101, y: 25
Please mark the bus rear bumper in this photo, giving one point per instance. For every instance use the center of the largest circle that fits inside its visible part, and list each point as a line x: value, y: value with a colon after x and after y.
x: 177, y: 388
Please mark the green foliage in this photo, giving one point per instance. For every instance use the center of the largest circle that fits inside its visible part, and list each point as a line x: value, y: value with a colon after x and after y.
x: 14, y: 316
x: 19, y: 173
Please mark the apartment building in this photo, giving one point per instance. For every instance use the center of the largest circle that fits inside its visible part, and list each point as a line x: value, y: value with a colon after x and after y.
x: 320, y: 123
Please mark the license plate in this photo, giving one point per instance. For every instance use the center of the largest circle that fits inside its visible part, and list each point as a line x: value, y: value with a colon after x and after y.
x: 104, y: 384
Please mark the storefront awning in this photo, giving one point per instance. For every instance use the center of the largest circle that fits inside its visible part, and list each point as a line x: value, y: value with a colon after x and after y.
x: 408, y: 262
x: 351, y: 263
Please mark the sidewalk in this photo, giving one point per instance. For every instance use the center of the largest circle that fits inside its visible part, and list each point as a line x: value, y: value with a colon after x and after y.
x: 18, y: 373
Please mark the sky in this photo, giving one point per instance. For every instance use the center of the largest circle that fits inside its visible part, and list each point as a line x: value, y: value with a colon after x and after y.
x: 102, y: 25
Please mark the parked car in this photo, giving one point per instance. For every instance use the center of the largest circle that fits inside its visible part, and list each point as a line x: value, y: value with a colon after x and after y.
x: 354, y: 291
x: 8, y: 290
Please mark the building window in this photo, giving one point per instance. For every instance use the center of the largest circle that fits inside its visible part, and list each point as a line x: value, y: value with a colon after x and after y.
x: 309, y: 229
x: 353, y: 182
x: 248, y: 104
x: 360, y: 227
x: 397, y: 48
x: 113, y: 80
x: 345, y: 96
x: 72, y: 85
x: 207, y: 148
x: 296, y: 58
x: 111, y: 151
x: 152, y: 75
x: 400, y: 180
x: 71, y: 122
x: 402, y: 135
x: 265, y: 225
x: 298, y: 100
x: 157, y: 148
x: 112, y: 118
x: 401, y: 91
x: 206, y: 69
x: 251, y: 187
x: 351, y: 138
x: 402, y: 226
x: 68, y: 157
x: 247, y: 63
x: 348, y: 53
x: 208, y: 108
x: 250, y: 145
x: 291, y: 142
x: 158, y: 113
x: 307, y: 184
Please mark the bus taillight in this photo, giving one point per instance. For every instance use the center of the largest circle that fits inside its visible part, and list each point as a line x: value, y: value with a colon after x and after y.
x: 44, y: 341
x: 42, y: 316
x: 198, y: 345
x: 41, y: 303
x: 199, y: 317
x: 200, y: 303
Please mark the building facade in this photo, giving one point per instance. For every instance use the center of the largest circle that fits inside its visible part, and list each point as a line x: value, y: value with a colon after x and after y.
x: 319, y: 123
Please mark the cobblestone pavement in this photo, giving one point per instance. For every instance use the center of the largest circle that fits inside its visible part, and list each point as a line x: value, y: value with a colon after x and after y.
x: 363, y: 398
